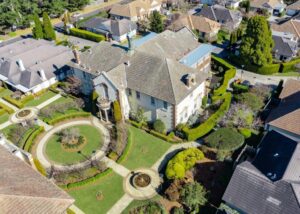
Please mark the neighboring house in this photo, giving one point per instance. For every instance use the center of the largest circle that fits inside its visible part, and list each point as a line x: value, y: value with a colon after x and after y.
x: 270, y: 182
x: 229, y: 19
x: 234, y: 4
x: 164, y: 75
x: 286, y: 116
x: 275, y: 7
x: 115, y: 29
x: 206, y: 28
x: 134, y: 10
x: 293, y: 9
x: 285, y: 49
x: 31, y: 65
x: 24, y: 190
x: 291, y: 26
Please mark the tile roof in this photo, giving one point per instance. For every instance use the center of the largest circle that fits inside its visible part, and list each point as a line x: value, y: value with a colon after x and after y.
x: 252, y: 188
x: 290, y: 26
x: 287, y: 115
x: 202, y: 24
x: 265, y: 3
x: 24, y: 190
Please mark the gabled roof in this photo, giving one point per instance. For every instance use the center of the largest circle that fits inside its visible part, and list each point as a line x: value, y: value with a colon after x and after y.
x: 115, y: 27
x: 287, y: 115
x: 259, y: 187
x: 290, y: 26
x: 294, y: 6
x: 219, y: 13
x: 202, y: 24
x: 284, y: 46
x: 265, y: 3
x: 24, y: 190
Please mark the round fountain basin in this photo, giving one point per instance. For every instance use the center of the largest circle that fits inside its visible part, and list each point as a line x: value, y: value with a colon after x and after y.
x: 141, y: 180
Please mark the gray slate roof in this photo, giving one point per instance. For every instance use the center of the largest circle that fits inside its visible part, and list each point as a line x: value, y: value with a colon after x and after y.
x: 24, y: 190
x: 114, y: 27
x: 35, y: 55
x: 220, y: 14
x: 252, y: 188
x: 284, y: 46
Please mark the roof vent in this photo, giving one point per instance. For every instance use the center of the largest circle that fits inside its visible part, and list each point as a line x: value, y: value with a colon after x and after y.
x: 127, y: 63
x: 21, y: 65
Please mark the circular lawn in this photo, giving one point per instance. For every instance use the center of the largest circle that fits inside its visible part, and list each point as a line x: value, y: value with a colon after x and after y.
x: 59, y: 154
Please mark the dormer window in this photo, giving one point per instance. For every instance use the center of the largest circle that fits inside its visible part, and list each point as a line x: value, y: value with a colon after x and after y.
x: 190, y: 80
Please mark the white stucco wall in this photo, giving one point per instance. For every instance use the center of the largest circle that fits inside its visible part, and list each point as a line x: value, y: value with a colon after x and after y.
x: 190, y: 104
x: 112, y: 90
x: 43, y: 85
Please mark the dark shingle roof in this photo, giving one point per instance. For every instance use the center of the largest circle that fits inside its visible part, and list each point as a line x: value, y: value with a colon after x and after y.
x: 219, y: 14
x: 284, y: 47
x: 252, y: 188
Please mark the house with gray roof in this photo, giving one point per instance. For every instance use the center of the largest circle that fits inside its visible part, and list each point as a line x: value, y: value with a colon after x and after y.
x: 285, y: 49
x: 229, y: 19
x: 24, y: 190
x: 270, y: 182
x: 165, y: 76
x: 114, y: 29
x: 31, y: 65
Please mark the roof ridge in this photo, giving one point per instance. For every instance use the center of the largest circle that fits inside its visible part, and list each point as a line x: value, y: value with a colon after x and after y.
x: 295, y: 28
x: 28, y: 196
x: 169, y: 75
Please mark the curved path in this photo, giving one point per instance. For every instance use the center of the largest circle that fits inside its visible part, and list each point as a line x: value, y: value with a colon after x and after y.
x: 40, y: 151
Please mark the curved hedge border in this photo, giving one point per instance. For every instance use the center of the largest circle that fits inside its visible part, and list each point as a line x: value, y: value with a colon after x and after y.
x: 210, y: 123
x: 29, y: 142
x: 14, y: 102
x: 66, y: 116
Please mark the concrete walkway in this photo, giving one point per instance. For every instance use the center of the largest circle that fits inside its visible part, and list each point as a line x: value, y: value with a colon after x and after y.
x: 118, y: 168
x: 76, y: 209
x: 121, y: 204
x: 46, y: 126
x: 47, y: 102
x: 4, y: 125
x: 40, y: 151
x: 9, y: 105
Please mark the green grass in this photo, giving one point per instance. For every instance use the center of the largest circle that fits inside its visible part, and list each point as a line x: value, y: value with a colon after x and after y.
x: 294, y: 74
x: 4, y: 118
x: 7, y: 129
x: 5, y: 92
x: 59, y: 100
x: 85, y: 196
x: 56, y: 153
x: 44, y: 97
x: 144, y: 150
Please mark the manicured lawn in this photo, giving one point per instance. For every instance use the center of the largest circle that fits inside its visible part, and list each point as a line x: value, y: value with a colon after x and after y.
x: 5, y: 92
x: 56, y: 153
x: 60, y: 100
x: 145, y: 149
x: 85, y: 196
x: 38, y: 100
x: 4, y: 118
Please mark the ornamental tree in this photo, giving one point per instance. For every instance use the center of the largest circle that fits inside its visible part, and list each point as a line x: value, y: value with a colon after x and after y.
x: 156, y: 23
x: 37, y: 31
x: 49, y: 32
x: 257, y: 43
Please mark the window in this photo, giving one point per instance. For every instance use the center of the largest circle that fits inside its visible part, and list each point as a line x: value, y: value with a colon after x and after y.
x: 165, y: 105
x: 138, y: 95
x: 152, y: 101
x: 129, y: 92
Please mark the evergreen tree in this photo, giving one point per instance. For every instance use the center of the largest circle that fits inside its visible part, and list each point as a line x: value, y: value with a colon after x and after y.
x: 37, y: 31
x: 49, y: 32
x: 257, y: 43
x: 156, y: 23
x: 233, y: 38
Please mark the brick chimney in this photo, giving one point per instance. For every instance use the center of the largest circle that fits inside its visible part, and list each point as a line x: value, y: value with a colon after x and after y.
x: 76, y: 56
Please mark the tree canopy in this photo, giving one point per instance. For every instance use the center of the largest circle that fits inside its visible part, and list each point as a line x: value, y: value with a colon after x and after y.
x: 49, y: 32
x: 37, y: 31
x: 156, y: 23
x: 257, y: 43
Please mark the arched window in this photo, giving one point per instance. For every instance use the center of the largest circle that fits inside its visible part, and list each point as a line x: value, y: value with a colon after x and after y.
x: 104, y: 91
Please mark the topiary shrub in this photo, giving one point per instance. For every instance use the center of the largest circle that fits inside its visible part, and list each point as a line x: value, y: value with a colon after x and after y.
x: 245, y: 132
x: 159, y: 126
x: 224, y: 139
x: 182, y: 162
x: 117, y: 111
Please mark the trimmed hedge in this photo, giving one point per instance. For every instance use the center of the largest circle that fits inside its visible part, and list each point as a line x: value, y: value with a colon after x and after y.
x: 14, y: 102
x: 221, y: 62
x: 57, y: 119
x: 126, y: 150
x: 240, y: 87
x: 6, y: 108
x: 268, y: 69
x: 168, y: 138
x: 229, y: 74
x: 135, y: 124
x: 245, y: 132
x: 30, y: 140
x: 289, y: 66
x: 27, y: 98
x: 117, y: 111
x: 210, y: 123
x: 2, y: 89
x: 2, y: 111
x: 39, y: 167
x: 86, y: 35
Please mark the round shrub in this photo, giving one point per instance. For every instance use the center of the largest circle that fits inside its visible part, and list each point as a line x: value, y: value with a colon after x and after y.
x: 245, y: 132
x: 159, y: 126
x: 182, y: 162
x: 225, y: 139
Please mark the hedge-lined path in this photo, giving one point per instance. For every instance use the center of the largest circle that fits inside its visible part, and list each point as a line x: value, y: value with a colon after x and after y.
x: 157, y: 167
x: 40, y: 150
x: 8, y: 104
x: 47, y: 102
